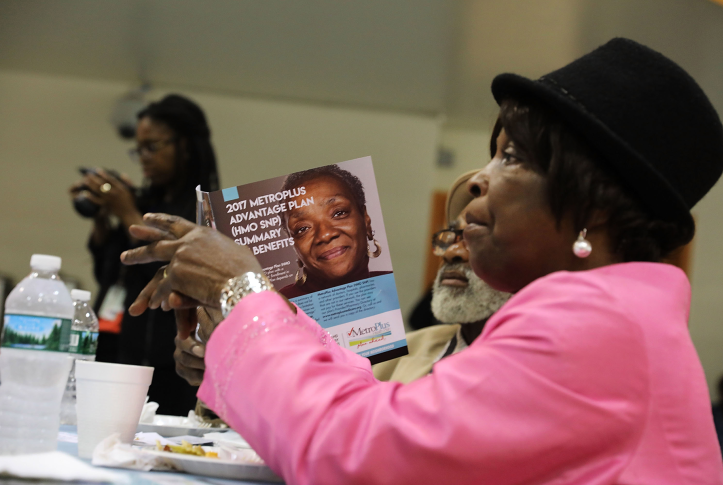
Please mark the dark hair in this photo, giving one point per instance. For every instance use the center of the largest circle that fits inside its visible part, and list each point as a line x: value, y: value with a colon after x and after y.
x: 188, y: 122
x: 579, y: 184
x: 352, y: 182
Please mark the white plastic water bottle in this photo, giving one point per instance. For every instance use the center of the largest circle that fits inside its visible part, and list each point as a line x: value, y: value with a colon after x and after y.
x: 34, y: 362
x: 82, y: 346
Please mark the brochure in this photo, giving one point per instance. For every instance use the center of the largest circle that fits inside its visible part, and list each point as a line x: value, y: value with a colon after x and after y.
x: 319, y: 235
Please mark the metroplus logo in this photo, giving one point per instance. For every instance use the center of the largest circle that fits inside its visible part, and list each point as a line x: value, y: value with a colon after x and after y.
x: 362, y: 336
x: 377, y: 327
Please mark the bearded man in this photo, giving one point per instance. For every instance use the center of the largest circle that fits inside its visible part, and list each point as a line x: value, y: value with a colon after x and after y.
x: 460, y: 300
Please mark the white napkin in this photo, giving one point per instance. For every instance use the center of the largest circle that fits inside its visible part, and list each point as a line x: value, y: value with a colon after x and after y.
x: 193, y: 420
x: 111, y: 452
x: 149, y: 412
x: 55, y: 465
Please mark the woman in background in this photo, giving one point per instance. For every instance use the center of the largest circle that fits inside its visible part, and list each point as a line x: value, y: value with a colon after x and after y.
x: 174, y: 150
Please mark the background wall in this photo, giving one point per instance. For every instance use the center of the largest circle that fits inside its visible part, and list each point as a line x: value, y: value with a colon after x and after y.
x: 470, y: 149
x: 51, y: 125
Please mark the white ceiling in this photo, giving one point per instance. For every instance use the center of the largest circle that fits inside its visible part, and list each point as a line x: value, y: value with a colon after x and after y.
x: 424, y: 56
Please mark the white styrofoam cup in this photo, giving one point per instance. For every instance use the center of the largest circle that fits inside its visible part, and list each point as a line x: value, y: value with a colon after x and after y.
x: 110, y: 400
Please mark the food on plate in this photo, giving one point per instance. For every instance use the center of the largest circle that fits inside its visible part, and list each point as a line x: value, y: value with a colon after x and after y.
x: 186, y: 448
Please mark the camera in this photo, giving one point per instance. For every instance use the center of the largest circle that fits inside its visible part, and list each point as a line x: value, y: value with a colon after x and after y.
x: 82, y: 204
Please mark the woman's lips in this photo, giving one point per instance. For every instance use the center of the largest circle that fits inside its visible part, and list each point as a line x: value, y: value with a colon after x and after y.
x: 476, y: 226
x: 474, y: 229
x: 453, y: 278
x: 333, y: 253
x: 474, y: 220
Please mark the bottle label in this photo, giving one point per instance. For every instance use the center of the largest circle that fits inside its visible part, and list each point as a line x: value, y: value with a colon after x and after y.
x: 83, y: 342
x: 36, y: 332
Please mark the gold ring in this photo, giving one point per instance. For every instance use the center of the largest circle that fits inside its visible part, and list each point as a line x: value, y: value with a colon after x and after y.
x: 165, y: 274
x: 106, y: 187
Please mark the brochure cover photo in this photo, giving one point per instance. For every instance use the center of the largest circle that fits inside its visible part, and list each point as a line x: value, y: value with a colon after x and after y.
x: 319, y: 235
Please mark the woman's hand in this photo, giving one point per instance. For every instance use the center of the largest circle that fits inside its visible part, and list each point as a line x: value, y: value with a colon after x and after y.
x: 189, y: 360
x: 82, y: 187
x: 101, y: 226
x: 189, y: 353
x: 112, y: 194
x: 208, y: 320
x: 117, y: 196
x: 201, y: 261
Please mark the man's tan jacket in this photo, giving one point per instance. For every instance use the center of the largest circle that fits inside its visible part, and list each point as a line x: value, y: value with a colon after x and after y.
x: 426, y: 346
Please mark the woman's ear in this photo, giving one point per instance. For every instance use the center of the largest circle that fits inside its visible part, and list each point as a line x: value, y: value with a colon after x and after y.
x: 368, y: 223
x: 597, y: 219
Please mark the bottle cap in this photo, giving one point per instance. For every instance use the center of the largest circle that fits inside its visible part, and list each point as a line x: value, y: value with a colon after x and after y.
x: 45, y: 262
x: 81, y: 295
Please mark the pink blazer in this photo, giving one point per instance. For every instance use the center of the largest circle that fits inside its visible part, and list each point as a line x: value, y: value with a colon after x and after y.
x: 581, y: 378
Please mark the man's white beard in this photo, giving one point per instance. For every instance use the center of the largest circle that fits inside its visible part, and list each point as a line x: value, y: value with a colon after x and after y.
x: 473, y: 303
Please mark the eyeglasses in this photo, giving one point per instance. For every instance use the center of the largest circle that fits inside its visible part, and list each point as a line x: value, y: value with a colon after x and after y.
x: 149, y: 148
x: 443, y: 239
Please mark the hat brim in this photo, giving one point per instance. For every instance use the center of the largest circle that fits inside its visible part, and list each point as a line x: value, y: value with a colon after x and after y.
x: 629, y: 167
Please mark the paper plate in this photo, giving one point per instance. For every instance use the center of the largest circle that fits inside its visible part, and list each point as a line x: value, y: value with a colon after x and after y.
x: 216, y: 467
x: 169, y: 426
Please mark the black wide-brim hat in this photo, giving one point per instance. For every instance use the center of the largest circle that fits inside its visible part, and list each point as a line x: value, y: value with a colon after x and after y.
x: 653, y: 124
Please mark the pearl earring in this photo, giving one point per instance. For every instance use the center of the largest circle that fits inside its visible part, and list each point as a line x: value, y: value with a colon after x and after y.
x: 582, y: 247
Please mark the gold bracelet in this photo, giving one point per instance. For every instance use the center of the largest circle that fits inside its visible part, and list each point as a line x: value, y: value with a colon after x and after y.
x: 240, y: 286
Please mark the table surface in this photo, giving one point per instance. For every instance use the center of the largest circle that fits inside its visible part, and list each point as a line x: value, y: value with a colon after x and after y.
x: 146, y: 478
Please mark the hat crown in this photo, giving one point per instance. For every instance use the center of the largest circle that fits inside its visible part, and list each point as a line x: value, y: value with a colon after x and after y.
x: 652, y: 122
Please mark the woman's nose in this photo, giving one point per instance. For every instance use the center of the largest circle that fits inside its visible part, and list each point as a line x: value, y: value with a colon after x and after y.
x: 456, y: 253
x: 478, y: 184
x: 327, y: 231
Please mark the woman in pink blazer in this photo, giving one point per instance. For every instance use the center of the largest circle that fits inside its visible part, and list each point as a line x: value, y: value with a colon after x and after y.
x: 586, y: 376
